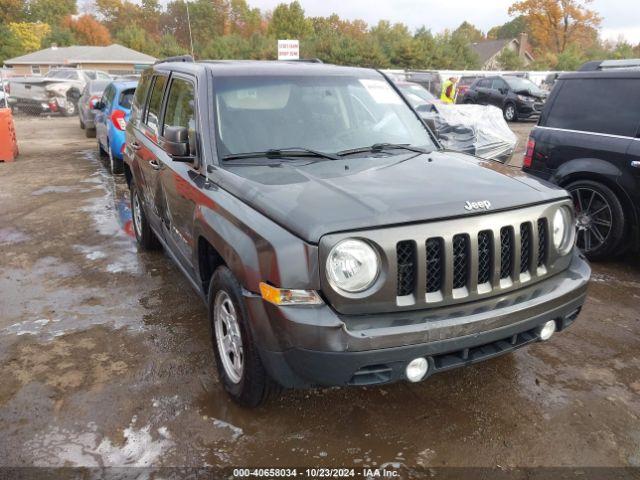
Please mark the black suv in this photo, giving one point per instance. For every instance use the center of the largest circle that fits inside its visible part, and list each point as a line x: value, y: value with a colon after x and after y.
x: 333, y: 239
x: 518, y: 98
x: 588, y: 141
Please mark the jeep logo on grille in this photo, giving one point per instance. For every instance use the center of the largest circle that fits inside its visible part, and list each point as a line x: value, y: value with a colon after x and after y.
x: 481, y: 205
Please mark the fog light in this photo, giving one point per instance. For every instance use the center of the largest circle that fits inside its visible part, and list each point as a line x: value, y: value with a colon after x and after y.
x: 417, y: 369
x: 547, y: 330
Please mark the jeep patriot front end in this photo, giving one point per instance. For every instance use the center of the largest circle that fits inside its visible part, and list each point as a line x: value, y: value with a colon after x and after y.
x: 333, y: 240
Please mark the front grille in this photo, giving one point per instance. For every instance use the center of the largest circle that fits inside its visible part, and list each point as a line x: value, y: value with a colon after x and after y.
x: 525, y: 246
x: 496, y: 259
x: 406, y: 252
x: 506, y: 248
x: 434, y: 264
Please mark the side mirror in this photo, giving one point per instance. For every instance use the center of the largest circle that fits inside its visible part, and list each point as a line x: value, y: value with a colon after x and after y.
x: 175, y: 142
x: 99, y: 105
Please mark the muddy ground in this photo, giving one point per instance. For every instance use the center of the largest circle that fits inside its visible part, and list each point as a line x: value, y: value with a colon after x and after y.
x: 105, y: 356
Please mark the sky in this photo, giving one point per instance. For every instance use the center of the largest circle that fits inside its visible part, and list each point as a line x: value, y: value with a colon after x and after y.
x: 620, y: 17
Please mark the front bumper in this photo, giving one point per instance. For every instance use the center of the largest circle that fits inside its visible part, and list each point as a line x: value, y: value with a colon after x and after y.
x: 305, y: 346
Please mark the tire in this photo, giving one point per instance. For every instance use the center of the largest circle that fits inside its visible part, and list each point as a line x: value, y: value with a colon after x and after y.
x: 101, y: 151
x: 71, y: 110
x: 246, y: 382
x: 141, y: 228
x: 90, y: 132
x: 510, y: 113
x: 600, y: 219
x: 82, y: 126
x: 116, y: 165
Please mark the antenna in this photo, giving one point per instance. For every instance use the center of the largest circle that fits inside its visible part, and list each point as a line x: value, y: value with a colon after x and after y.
x: 189, y: 24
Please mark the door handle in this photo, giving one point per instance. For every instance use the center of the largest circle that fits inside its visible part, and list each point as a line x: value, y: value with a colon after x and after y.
x: 154, y: 164
x: 135, y: 145
x: 635, y: 164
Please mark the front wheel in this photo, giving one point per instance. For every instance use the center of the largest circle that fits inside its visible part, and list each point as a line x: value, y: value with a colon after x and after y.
x: 600, y: 219
x: 239, y: 366
x: 71, y: 109
x: 509, y: 112
x: 144, y: 235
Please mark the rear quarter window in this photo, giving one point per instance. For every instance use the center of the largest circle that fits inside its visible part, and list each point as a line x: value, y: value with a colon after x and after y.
x: 610, y: 106
x: 140, y: 96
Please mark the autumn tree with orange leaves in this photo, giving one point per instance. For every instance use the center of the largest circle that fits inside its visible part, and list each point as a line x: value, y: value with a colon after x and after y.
x: 554, y: 25
x: 88, y: 31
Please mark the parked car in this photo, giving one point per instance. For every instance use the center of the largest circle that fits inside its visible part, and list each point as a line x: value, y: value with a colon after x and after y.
x: 463, y: 86
x: 58, y: 91
x: 432, y: 81
x: 518, y: 98
x: 333, y: 240
x: 587, y: 142
x: 112, y: 113
x: 419, y: 97
x: 91, y: 95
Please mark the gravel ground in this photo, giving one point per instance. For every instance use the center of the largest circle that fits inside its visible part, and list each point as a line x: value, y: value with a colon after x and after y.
x: 105, y: 356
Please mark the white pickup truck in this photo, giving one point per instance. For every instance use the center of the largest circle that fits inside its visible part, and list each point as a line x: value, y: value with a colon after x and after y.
x: 58, y: 91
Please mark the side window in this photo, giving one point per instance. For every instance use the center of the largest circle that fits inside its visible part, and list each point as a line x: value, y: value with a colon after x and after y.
x: 180, y: 111
x: 608, y: 105
x: 484, y: 83
x: 498, y: 83
x: 152, y: 116
x: 140, y: 97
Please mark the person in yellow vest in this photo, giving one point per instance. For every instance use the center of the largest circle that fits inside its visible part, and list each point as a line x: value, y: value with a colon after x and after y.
x: 449, y: 90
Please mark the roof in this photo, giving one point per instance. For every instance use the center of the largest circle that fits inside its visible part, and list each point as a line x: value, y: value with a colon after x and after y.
x: 267, y: 67
x: 82, y: 54
x: 487, y: 49
x: 606, y: 74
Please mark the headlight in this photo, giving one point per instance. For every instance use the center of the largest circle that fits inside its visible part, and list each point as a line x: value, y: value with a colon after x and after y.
x: 563, y: 231
x: 522, y: 98
x: 352, y: 266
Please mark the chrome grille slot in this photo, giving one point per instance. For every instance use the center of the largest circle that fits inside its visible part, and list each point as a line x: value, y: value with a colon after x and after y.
x: 525, y: 246
x: 506, y: 251
x: 434, y: 264
x: 406, y: 253
x: 460, y: 261
x: 542, y: 241
x: 485, y: 257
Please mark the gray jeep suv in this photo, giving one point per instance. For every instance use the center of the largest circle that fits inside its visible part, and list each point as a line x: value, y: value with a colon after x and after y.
x: 332, y: 238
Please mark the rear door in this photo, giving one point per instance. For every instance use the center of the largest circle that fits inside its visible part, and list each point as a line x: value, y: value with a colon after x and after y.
x: 182, y: 182
x: 147, y: 151
x: 102, y: 116
x: 483, y: 90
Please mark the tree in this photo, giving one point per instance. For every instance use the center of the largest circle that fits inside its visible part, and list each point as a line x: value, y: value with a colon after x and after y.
x: 468, y: 32
x: 510, y: 60
x: 556, y: 24
x: 10, y: 46
x: 509, y: 30
x: 88, y: 31
x: 137, y: 38
x: 50, y: 11
x: 12, y: 11
x: 30, y: 35
x: 289, y: 22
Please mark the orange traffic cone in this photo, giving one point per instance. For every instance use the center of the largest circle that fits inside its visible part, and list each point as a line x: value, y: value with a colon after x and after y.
x: 8, y: 142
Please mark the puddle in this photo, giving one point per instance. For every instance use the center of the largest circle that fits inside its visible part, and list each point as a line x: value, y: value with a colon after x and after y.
x: 11, y: 235
x: 59, y: 447
x: 53, y: 189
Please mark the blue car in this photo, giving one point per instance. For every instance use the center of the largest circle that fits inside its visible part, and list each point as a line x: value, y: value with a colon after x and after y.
x: 112, y: 114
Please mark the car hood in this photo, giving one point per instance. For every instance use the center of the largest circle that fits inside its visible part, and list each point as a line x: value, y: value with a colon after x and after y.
x: 312, y: 199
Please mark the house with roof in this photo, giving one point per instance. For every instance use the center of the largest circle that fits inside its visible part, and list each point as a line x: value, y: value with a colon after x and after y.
x: 489, y: 51
x: 114, y: 59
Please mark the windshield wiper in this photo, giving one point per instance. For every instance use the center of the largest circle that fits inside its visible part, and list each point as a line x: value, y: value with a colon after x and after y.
x: 282, y: 153
x: 379, y: 147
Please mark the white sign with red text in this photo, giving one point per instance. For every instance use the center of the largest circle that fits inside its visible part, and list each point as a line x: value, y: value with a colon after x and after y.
x: 288, y: 49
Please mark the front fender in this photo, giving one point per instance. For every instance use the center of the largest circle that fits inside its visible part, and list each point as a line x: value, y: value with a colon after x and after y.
x: 255, y: 248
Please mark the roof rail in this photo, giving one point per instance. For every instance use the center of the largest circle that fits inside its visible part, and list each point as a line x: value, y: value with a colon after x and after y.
x: 306, y: 60
x: 177, y: 58
x: 599, y: 65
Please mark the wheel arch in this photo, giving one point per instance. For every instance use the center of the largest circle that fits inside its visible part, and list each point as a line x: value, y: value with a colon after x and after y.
x: 603, y: 175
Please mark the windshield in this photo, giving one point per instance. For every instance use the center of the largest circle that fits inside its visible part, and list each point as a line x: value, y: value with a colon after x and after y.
x: 522, y: 84
x: 419, y: 91
x: 325, y: 113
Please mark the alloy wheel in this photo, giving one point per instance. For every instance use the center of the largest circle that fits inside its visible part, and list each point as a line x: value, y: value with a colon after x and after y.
x: 510, y: 112
x: 137, y: 214
x: 594, y: 218
x: 228, y: 338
